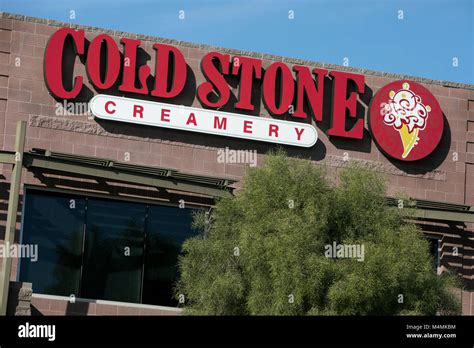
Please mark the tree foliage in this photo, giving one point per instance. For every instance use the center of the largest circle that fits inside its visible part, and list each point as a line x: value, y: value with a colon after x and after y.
x: 262, y: 252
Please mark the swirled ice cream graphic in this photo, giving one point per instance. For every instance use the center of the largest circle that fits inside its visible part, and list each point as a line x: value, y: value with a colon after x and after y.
x: 406, y: 112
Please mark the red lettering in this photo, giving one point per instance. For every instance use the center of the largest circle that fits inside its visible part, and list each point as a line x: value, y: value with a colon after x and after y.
x: 215, y: 79
x: 191, y: 119
x: 278, y: 85
x: 298, y: 134
x: 112, y: 65
x: 273, y: 129
x: 305, y: 87
x: 163, y: 55
x: 222, y: 124
x: 341, y: 104
x: 248, y: 127
x: 129, y: 68
x: 107, y: 110
x: 247, y: 67
x: 137, y: 110
x: 53, y: 66
x: 165, y: 115
x: 286, y: 88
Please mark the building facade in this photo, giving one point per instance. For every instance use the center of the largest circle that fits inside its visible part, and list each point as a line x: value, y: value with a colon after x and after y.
x: 108, y: 196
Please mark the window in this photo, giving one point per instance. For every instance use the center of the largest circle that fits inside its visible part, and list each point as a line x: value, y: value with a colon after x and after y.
x: 55, y: 224
x: 167, y: 229
x: 113, y: 252
x: 103, y: 248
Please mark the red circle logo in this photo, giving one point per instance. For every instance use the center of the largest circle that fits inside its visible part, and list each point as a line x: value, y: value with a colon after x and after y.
x: 406, y: 120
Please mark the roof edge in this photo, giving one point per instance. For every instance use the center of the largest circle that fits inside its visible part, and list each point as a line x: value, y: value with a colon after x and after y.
x: 290, y: 60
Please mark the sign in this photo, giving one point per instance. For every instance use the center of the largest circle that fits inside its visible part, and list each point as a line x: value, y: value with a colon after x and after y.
x: 280, y: 92
x: 406, y: 120
x: 203, y: 121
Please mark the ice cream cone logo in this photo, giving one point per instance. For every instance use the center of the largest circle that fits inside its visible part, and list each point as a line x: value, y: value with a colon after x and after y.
x: 406, y: 120
x: 406, y: 112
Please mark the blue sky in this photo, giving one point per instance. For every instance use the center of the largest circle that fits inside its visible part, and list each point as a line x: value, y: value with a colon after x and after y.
x: 369, y: 33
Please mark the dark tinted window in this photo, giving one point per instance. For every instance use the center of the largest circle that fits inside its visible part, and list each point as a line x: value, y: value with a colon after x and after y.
x: 94, y: 248
x: 113, y: 253
x: 167, y: 229
x: 55, y: 223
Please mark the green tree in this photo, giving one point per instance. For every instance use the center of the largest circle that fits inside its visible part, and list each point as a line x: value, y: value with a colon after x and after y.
x: 262, y: 252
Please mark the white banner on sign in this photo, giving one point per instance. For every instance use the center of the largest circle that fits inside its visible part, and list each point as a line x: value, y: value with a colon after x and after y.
x: 203, y: 121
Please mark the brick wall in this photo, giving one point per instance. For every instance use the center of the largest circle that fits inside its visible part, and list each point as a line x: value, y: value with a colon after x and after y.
x: 447, y: 175
x: 58, y: 305
x: 24, y: 96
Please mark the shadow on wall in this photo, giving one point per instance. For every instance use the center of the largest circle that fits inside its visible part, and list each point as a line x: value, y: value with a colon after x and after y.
x: 36, y: 312
x: 316, y: 153
x: 454, y: 235
x: 76, y: 308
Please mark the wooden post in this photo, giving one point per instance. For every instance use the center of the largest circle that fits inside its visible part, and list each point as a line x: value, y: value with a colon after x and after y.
x: 15, y: 183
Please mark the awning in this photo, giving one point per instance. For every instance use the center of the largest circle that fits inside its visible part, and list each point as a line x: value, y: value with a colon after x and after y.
x: 123, y: 172
x: 426, y: 209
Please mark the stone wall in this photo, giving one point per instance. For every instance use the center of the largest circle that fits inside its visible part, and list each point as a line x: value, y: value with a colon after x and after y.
x: 19, y: 299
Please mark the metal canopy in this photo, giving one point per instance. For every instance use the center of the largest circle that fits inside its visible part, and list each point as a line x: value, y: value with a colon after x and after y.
x: 123, y: 172
x: 211, y: 186
x: 437, y: 210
